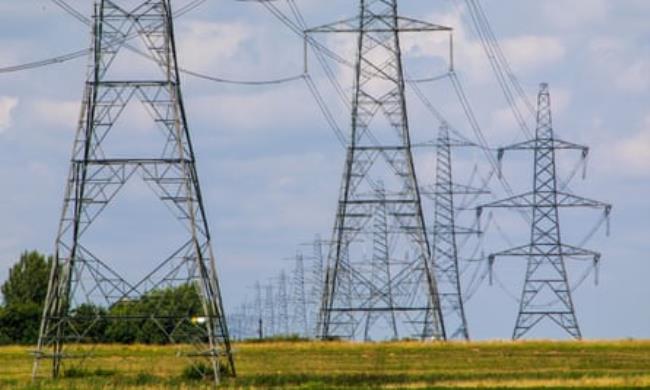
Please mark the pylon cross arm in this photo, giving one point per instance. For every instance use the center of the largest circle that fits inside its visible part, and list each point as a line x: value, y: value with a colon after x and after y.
x: 524, y: 200
x: 533, y: 250
x: 534, y: 144
x: 565, y: 199
x: 377, y: 24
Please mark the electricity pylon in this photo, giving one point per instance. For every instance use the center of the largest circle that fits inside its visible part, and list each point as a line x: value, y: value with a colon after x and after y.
x: 300, y: 315
x: 86, y: 292
x: 259, y: 311
x: 379, y: 149
x: 282, y: 302
x: 380, y: 269
x: 445, y: 233
x: 269, y: 312
x: 317, y: 282
x: 546, y: 292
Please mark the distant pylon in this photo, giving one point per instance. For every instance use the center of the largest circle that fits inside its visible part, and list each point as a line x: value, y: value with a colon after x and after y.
x: 249, y: 322
x: 316, y: 282
x: 546, y: 292
x: 270, y: 328
x: 282, y: 303
x: 82, y: 285
x: 380, y: 269
x: 379, y: 149
x: 445, y: 233
x: 300, y: 316
x: 259, y: 311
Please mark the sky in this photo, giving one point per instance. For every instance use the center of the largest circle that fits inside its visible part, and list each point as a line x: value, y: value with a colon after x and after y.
x: 270, y: 166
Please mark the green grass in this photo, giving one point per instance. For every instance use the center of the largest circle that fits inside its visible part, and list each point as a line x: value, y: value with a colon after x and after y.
x: 339, y: 365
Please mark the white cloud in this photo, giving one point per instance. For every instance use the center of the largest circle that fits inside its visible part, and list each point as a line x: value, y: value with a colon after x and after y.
x: 625, y: 62
x: 206, y: 46
x: 64, y: 114
x: 7, y: 106
x: 633, y: 153
x: 503, y: 123
x: 529, y: 52
x: 606, y: 46
x: 525, y: 52
x: 636, y: 76
x: 60, y: 114
x: 468, y: 53
x: 257, y: 112
x: 574, y: 14
x: 285, y: 204
x: 8, y: 55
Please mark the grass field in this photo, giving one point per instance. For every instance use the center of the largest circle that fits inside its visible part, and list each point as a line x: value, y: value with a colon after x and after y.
x: 313, y: 365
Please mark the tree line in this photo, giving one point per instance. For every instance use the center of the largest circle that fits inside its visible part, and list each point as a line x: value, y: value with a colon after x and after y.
x: 152, y: 318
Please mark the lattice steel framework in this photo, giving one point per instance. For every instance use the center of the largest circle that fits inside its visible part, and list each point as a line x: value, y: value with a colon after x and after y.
x: 445, y: 233
x: 259, y: 311
x: 379, y: 150
x: 546, y: 292
x: 300, y: 312
x: 270, y: 312
x: 81, y: 279
x: 282, y: 303
x: 381, y: 268
x: 316, y: 282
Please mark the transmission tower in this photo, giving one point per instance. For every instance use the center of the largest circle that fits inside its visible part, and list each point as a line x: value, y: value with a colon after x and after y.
x: 380, y: 269
x: 237, y: 322
x: 546, y: 292
x: 244, y: 323
x: 316, y: 282
x: 247, y: 321
x: 282, y: 302
x: 300, y: 313
x: 379, y: 149
x: 445, y: 233
x: 81, y: 282
x: 259, y: 311
x: 269, y: 312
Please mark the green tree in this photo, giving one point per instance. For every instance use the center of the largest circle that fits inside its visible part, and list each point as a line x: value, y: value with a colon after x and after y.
x: 24, y: 293
x: 19, y: 323
x: 27, y: 282
x: 155, y: 317
x: 90, y: 320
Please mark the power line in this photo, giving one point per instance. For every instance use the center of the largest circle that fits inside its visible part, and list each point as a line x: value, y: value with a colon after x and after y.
x: 188, y: 8
x: 283, y: 80
x: 46, y: 62
x: 72, y: 11
x: 80, y: 53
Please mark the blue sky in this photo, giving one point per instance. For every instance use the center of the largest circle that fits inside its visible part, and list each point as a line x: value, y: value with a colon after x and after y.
x: 270, y: 167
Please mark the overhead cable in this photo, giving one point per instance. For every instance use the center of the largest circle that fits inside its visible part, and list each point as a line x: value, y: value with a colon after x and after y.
x: 81, y: 53
x: 46, y: 62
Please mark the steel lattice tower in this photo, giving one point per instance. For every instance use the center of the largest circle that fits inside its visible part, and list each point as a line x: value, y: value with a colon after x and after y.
x: 380, y: 269
x: 316, y: 281
x: 379, y: 149
x: 546, y: 292
x: 270, y: 328
x: 300, y: 315
x: 259, y: 311
x: 445, y: 233
x: 282, y: 302
x: 80, y: 279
